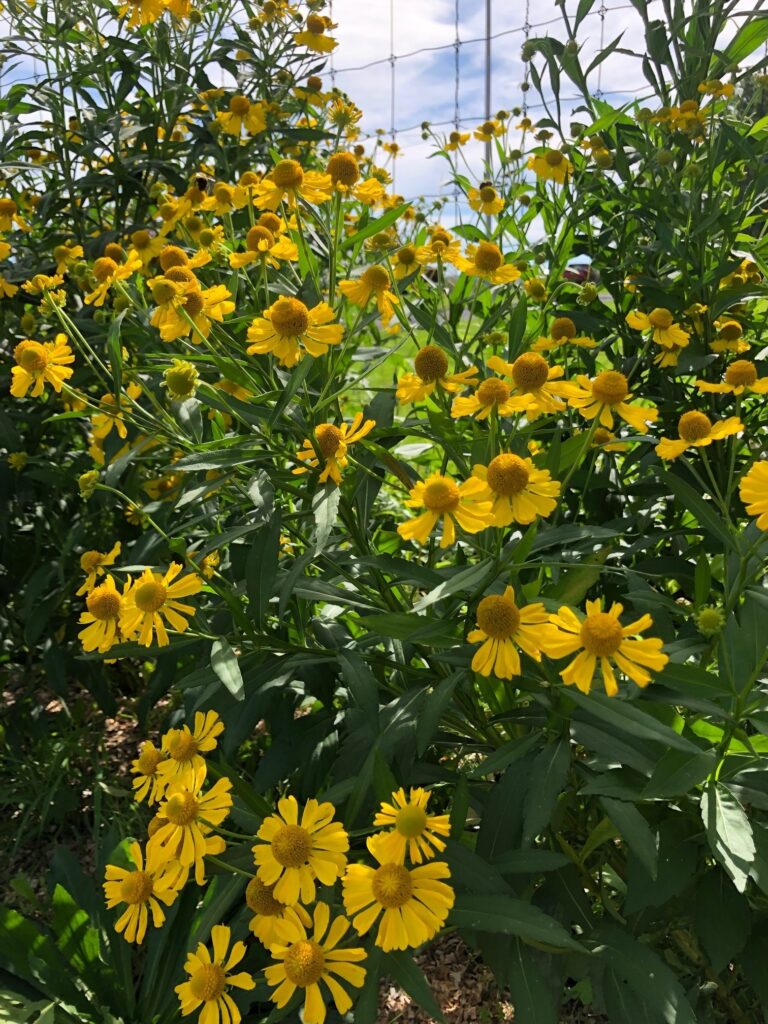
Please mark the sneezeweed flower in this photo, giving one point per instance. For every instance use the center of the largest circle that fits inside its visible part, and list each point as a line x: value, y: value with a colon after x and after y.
x: 608, y: 395
x: 489, y: 130
x: 431, y: 366
x: 344, y: 171
x: 455, y: 140
x: 110, y: 414
x: 153, y: 599
x: 502, y: 628
x: 147, y: 783
x: 287, y: 181
x: 660, y: 322
x: 273, y: 922
x: 313, y: 35
x: 730, y: 337
x: 180, y: 378
x: 562, y: 332
x: 709, y: 620
x: 442, y: 498
x: 65, y: 255
x: 404, y: 262
x: 141, y: 891
x: 39, y: 284
x: 93, y: 562
x: 537, y: 387
x: 105, y: 605
x: 184, y: 748
x: 184, y: 308
x: 485, y: 199
x: 486, y: 261
x: 608, y: 441
x: 303, y: 962
x: 412, y: 904
x: 145, y: 246
x: 186, y: 819
x: 332, y: 443
x: 40, y: 363
x: 740, y: 377
x: 536, y: 289
x: 441, y: 248
x: 18, y: 460
x: 107, y: 273
x: 601, y: 637
x: 753, y: 491
x: 375, y: 283
x: 142, y: 12
x: 209, y: 979
x: 242, y: 116
x: 411, y: 830
x: 7, y: 290
x: 551, y: 165
x: 288, y: 327
x: 261, y: 246
x: 292, y: 855
x: 9, y: 216
x: 519, y: 490
x: 490, y: 395
x: 714, y: 87
x: 87, y: 482
x: 223, y: 200
x: 696, y: 430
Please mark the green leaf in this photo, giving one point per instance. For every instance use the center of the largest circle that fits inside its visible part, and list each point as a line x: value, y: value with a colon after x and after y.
x: 115, y: 351
x: 721, y: 918
x: 414, y: 628
x: 224, y: 663
x: 400, y: 966
x: 729, y: 832
x: 432, y: 710
x: 677, y: 772
x: 628, y: 718
x: 261, y: 567
x: 749, y: 38
x: 534, y: 995
x: 468, y: 579
x: 325, y: 506
x: 548, y: 780
x: 635, y: 832
x: 373, y: 227
x: 506, y: 755
x: 706, y: 512
x: 499, y: 913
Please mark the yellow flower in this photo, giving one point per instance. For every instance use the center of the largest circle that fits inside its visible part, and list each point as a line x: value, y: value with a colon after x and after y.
x: 107, y: 272
x: 485, y: 199
x: 551, y: 165
x: 9, y: 216
x: 455, y: 140
x: 537, y: 385
x: 313, y: 34
x: 225, y: 199
x: 66, y: 255
x: 40, y: 363
x: 142, y: 891
x: 608, y: 394
x: 305, y: 962
x: 405, y: 262
x: 242, y: 116
x: 110, y: 416
x: 373, y: 282
x: 186, y: 819
x: 178, y: 293
x: 730, y: 337
x: 489, y: 130
x: 102, y: 619
x: 491, y: 394
x: 431, y: 366
x: 40, y: 283
x: 661, y: 322
x: 605, y: 440
x: 413, y: 905
x: 288, y: 325
x: 209, y: 979
x: 291, y: 856
x: 601, y: 636
x: 463, y: 503
x: 696, y: 430
x: 145, y: 247
x: 273, y: 922
x: 562, y: 332
x: 286, y: 181
x: 520, y: 491
x: 262, y: 246
x: 344, y: 172
x: 536, y: 289
x: 753, y: 491
x: 148, y: 783
x: 7, y: 290
x: 143, y: 12
x: 92, y: 563
x: 332, y: 443
x: 153, y: 598
x: 183, y: 748
x: 714, y: 87
x: 180, y: 378
x: 487, y: 262
x: 412, y: 830
x: 441, y: 248
x: 502, y: 627
x: 17, y: 460
x: 740, y: 376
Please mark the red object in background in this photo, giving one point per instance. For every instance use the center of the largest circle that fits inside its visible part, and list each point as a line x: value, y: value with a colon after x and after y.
x: 580, y: 273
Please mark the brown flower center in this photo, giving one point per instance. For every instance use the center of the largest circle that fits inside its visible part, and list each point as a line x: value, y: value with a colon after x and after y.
x: 103, y: 602
x: 292, y: 846
x: 8, y: 208
x: 530, y: 372
x: 493, y: 392
x: 329, y: 439
x: 487, y: 193
x: 508, y: 475
x: 488, y: 257
x: 173, y: 256
x: 288, y: 174
x: 104, y: 268
x: 392, y: 885
x: 136, y: 887
x: 610, y: 387
x: 194, y: 303
x: 406, y: 256
x: 290, y: 317
x: 741, y: 373
x: 376, y: 278
x: 259, y: 238
x: 731, y: 330
x: 601, y: 634
x: 141, y: 239
x: 315, y: 24
x: 660, y: 317
x: 498, y: 617
x: 149, y: 759
x: 270, y: 221
x: 304, y: 963
x: 441, y: 495
x: 239, y: 105
x: 554, y: 157
x: 224, y: 194
x: 208, y: 982
x: 150, y: 596
x: 31, y: 356
x: 181, y: 808
x: 261, y: 900
x: 343, y: 169
x: 694, y: 426
x: 562, y: 327
x: 431, y: 363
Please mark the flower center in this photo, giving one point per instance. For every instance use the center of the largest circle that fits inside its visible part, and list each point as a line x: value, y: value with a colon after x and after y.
x: 392, y: 885
x: 493, y: 391
x: 411, y: 821
x: 163, y: 291
x: 182, y: 746
x: 140, y: 239
x: 290, y: 318
x: 173, y: 256
x: 441, y: 235
x: 181, y: 379
x: 181, y: 808
x: 406, y: 255
x: 730, y: 331
x: 32, y: 357
x: 103, y: 603
x: 487, y: 193
x: 694, y: 426
x: 207, y: 237
x: 259, y: 898
x: 304, y: 963
x: 530, y: 372
x: 315, y: 24
x: 498, y: 616
x: 8, y: 208
x: 292, y: 846
x: 259, y: 238
x: 554, y: 157
x: 104, y: 268
x: 375, y: 278
x: 488, y: 257
x: 660, y: 317
x: 114, y: 252
x: 287, y: 174
x: 136, y: 887
x: 431, y: 363
x: 91, y: 560
x: 610, y: 387
x: 487, y: 127
x: 508, y: 475
x: 454, y: 137
x: 149, y: 759
x: 441, y: 495
x: 208, y: 982
x: 343, y: 169
x: 194, y: 303
x: 562, y: 327
x: 740, y: 374
x: 270, y: 221
x: 239, y: 105
x: 328, y: 439
x: 150, y: 596
x: 314, y: 83
x: 224, y: 193
x: 602, y: 436
x: 601, y: 634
